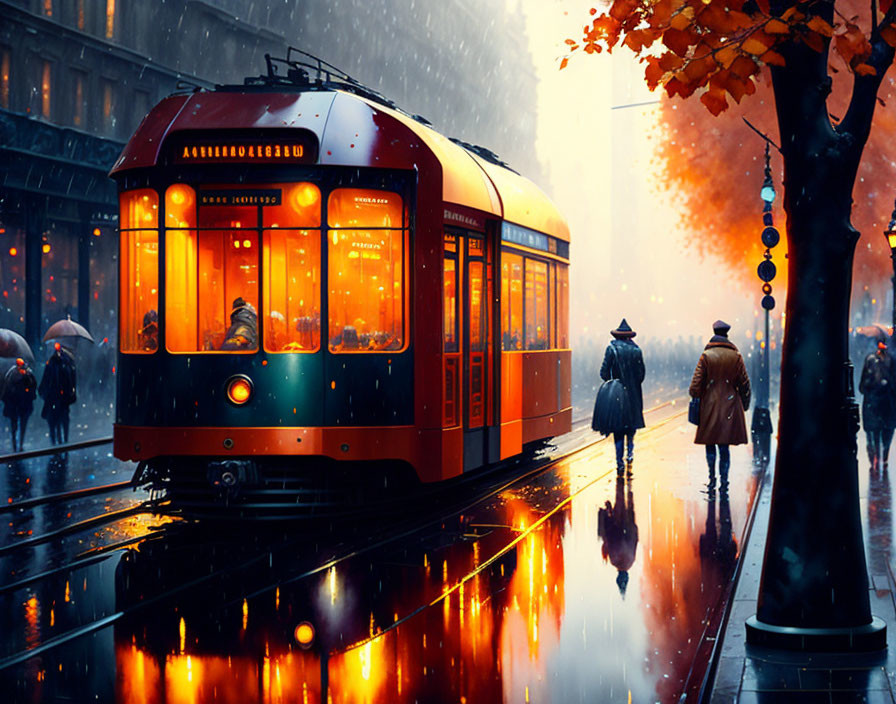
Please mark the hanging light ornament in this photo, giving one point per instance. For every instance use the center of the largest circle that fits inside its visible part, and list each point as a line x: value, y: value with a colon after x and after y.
x: 770, y: 235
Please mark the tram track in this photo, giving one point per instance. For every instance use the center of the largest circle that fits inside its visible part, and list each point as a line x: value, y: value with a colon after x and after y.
x: 77, y: 527
x: 407, y: 529
x: 55, y: 449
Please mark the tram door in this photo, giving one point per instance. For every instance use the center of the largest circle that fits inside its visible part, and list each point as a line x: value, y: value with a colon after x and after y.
x: 477, y: 341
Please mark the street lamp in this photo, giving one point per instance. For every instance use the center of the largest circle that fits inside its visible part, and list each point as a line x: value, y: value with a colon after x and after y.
x: 761, y: 426
x: 890, y: 232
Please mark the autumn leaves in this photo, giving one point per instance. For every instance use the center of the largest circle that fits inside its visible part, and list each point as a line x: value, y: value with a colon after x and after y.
x: 718, y: 46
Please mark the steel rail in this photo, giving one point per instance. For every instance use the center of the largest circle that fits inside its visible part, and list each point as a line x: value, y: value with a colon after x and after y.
x: 78, y: 527
x: 55, y: 450
x: 65, y: 495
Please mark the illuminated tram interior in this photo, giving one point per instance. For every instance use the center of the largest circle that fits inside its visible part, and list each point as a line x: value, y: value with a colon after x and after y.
x: 212, y: 260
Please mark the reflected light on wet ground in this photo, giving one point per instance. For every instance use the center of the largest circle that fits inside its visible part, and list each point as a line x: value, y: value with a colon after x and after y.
x: 571, y: 586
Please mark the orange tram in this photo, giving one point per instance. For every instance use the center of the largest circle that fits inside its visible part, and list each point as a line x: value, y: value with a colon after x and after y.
x: 312, y: 278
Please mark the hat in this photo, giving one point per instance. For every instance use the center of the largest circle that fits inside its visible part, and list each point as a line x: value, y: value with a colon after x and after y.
x: 623, y: 332
x: 238, y: 302
x: 720, y: 327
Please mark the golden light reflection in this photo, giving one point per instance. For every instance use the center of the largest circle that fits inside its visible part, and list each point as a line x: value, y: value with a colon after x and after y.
x: 194, y: 679
x: 182, y: 628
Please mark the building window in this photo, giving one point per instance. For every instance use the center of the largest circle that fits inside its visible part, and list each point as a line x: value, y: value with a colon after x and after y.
x: 81, y: 20
x: 48, y: 8
x: 108, y: 107
x: 79, y: 102
x: 12, y: 278
x: 45, y: 80
x: 110, y: 19
x: 366, y: 270
x: 139, y: 273
x: 4, y: 79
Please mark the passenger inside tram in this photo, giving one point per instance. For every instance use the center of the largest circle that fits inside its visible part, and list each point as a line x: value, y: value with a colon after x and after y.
x: 149, y: 333
x: 243, y: 331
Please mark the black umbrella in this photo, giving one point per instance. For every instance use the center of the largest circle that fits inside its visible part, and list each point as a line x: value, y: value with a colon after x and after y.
x: 66, y: 329
x: 13, y: 345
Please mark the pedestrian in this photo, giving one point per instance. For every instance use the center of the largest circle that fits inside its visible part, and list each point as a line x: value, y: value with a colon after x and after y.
x: 721, y: 383
x: 19, y: 391
x: 58, y: 388
x: 878, y: 386
x: 623, y: 361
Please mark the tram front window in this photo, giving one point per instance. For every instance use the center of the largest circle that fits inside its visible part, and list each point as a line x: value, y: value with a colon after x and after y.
x: 366, y: 270
x: 211, y: 276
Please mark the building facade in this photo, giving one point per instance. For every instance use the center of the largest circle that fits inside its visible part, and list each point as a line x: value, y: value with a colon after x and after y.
x: 77, y: 77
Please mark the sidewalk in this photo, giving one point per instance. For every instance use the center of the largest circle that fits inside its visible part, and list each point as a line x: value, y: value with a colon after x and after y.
x: 747, y: 675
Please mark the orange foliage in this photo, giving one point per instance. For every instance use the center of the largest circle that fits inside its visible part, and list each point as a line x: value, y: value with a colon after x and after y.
x: 717, y: 45
x: 714, y: 49
x: 714, y: 168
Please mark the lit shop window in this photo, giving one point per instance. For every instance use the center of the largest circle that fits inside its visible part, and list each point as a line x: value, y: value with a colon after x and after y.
x: 48, y: 8
x: 366, y: 270
x: 78, y: 103
x: 46, y: 75
x: 511, y: 301
x: 211, y: 277
x: 81, y: 20
x: 139, y: 276
x: 110, y: 19
x: 292, y: 290
x: 108, y: 106
x: 4, y: 79
x: 536, y: 331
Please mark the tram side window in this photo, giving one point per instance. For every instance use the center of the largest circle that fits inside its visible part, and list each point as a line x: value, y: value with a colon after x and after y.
x: 211, y: 279
x: 511, y: 301
x: 139, y: 277
x: 449, y: 295
x: 367, y: 241
x: 537, y: 299
x: 562, y: 306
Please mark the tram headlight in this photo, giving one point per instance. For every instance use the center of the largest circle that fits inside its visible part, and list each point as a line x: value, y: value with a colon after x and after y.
x: 239, y: 389
x: 304, y: 634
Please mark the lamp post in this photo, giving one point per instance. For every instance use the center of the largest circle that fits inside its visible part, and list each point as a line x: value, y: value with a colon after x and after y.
x: 890, y: 233
x: 761, y: 426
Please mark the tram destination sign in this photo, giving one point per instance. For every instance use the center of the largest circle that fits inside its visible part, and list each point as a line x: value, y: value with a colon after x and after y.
x: 292, y: 147
x: 243, y: 196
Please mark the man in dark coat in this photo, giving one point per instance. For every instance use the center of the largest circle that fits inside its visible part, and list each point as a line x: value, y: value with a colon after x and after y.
x: 623, y: 360
x: 721, y: 383
x: 243, y: 331
x: 19, y: 391
x: 878, y: 388
x: 58, y: 390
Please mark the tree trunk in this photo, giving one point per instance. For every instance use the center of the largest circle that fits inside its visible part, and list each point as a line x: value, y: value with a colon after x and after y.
x: 814, y: 575
x: 814, y: 589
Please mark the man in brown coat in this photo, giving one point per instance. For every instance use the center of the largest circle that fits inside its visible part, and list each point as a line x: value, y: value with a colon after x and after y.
x: 723, y: 387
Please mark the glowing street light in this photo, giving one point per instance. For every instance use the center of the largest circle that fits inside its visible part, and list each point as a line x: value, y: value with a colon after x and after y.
x: 890, y: 234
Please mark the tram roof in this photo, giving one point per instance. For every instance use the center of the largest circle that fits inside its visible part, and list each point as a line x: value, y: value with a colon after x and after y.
x: 352, y: 131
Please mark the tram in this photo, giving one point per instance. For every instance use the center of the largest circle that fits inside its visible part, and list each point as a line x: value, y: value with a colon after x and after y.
x: 308, y: 274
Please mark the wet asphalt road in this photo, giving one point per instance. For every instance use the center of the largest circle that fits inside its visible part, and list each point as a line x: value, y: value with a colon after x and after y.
x: 570, y: 586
